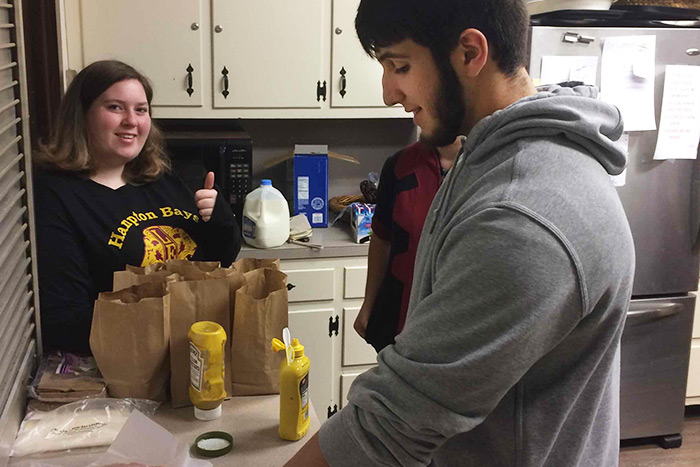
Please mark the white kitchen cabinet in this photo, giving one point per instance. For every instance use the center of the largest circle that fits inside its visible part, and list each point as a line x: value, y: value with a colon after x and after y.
x: 355, y: 350
x: 356, y: 79
x: 358, y: 355
x: 248, y: 58
x: 155, y: 37
x: 309, y: 324
x: 692, y: 396
x: 319, y: 316
x: 271, y: 52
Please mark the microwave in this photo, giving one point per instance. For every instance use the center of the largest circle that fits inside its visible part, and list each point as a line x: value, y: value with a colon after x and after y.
x: 225, y: 150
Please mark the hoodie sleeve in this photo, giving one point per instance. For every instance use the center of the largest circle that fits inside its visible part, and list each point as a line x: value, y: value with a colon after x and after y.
x: 504, y: 291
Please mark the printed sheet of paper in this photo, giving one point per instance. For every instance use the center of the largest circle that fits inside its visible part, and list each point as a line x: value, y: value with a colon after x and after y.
x: 627, y: 79
x: 679, y: 129
x: 557, y: 69
x: 623, y: 142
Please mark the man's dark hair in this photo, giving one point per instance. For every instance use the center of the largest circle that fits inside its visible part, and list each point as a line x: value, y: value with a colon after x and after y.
x: 437, y: 24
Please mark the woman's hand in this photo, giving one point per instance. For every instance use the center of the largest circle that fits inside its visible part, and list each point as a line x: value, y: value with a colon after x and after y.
x: 206, y: 198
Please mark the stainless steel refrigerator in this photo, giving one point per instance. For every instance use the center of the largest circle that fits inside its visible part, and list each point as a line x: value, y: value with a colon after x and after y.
x: 662, y: 202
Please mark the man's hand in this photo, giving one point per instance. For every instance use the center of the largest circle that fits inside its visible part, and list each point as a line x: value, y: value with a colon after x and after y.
x: 362, y: 319
x: 206, y: 198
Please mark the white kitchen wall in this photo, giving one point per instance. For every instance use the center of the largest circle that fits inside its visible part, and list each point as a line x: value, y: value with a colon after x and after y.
x: 370, y: 141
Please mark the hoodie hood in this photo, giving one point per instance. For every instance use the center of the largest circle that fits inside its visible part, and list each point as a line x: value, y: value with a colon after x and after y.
x: 573, y: 112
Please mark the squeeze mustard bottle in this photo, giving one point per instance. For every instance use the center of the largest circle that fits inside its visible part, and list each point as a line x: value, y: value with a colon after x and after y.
x: 207, y: 340
x: 294, y: 392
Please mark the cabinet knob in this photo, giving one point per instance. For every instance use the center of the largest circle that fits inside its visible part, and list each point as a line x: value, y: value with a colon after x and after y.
x: 218, y: 28
x: 194, y: 26
x: 338, y: 31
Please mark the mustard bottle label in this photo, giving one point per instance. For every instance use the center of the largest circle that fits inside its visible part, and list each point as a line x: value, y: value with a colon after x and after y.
x: 196, y: 367
x: 304, y: 391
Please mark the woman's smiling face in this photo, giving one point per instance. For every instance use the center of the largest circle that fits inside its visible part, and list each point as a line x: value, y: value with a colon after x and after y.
x: 118, y: 124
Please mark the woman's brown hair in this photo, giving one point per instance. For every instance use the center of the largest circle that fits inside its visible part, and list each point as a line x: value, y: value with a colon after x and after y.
x: 68, y: 150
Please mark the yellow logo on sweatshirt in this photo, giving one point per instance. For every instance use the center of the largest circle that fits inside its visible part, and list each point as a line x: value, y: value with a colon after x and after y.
x: 162, y: 242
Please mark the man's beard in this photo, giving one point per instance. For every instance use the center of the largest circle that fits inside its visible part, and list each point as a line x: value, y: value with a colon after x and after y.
x: 449, y: 107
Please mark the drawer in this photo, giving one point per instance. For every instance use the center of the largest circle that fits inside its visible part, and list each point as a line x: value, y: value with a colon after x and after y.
x: 655, y: 351
x: 694, y: 370
x: 310, y: 284
x: 355, y: 279
x: 355, y: 350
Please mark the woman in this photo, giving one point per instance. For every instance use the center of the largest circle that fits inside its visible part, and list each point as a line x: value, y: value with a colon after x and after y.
x: 105, y: 198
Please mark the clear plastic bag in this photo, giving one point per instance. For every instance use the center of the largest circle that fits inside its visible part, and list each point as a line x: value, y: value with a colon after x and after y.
x: 83, y: 424
x: 64, y: 377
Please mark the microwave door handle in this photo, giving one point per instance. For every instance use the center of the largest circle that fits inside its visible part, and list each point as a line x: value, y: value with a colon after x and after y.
x: 653, y: 310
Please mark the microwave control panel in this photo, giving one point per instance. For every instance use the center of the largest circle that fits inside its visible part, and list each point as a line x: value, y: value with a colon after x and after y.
x: 239, y: 170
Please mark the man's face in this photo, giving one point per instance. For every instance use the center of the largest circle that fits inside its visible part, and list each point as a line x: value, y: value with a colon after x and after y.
x: 430, y: 91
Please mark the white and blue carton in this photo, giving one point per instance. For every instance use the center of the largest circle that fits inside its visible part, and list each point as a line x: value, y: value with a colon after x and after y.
x: 309, y: 172
x: 302, y: 177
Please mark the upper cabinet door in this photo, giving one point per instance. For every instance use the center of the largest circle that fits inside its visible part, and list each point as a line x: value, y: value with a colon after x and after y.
x: 160, y: 38
x: 267, y: 53
x: 356, y: 79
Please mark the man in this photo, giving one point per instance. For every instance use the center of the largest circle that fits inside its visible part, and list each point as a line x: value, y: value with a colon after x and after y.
x: 510, y: 352
x: 410, y: 178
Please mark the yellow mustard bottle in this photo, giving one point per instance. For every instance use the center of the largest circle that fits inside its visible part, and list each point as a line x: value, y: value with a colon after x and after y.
x: 207, y: 340
x: 294, y: 392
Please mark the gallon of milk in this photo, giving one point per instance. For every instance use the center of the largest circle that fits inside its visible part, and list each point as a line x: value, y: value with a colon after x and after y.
x: 265, y: 217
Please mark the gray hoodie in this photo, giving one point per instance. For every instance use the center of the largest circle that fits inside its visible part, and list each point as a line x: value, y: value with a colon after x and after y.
x: 510, y: 353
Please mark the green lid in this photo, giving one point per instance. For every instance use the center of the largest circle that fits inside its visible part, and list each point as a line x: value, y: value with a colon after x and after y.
x: 213, y: 443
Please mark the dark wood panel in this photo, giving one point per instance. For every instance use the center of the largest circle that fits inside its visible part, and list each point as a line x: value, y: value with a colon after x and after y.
x: 43, y: 79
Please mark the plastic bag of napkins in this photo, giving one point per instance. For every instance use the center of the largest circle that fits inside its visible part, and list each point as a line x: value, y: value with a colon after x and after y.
x: 83, y: 424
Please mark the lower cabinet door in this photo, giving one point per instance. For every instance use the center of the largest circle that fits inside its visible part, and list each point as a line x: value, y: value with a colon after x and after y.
x: 355, y: 350
x: 345, y: 381
x: 310, y: 326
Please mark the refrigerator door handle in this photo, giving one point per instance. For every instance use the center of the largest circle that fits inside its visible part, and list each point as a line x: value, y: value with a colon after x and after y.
x: 653, y: 310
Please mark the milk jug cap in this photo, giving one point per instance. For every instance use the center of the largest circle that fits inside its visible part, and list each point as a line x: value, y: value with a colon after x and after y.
x: 266, y: 182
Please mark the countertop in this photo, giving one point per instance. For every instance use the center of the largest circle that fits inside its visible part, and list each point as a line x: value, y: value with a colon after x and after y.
x: 337, y: 241
x: 251, y: 420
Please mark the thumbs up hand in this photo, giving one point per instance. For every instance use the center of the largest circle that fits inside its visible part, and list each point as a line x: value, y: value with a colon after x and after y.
x: 206, y: 198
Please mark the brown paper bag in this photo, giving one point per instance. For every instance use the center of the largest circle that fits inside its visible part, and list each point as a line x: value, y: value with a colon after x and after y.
x: 129, y: 339
x: 249, y: 264
x: 208, y: 270
x: 261, y: 314
x: 134, y: 275
x: 205, y: 299
x: 191, y: 269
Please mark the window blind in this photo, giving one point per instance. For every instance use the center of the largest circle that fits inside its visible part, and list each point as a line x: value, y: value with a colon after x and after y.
x: 19, y: 314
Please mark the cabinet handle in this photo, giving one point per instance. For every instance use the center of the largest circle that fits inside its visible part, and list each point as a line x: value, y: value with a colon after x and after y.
x: 330, y: 412
x: 290, y: 286
x: 225, y: 91
x: 343, y: 82
x: 189, y: 80
x: 653, y: 310
x: 320, y: 91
